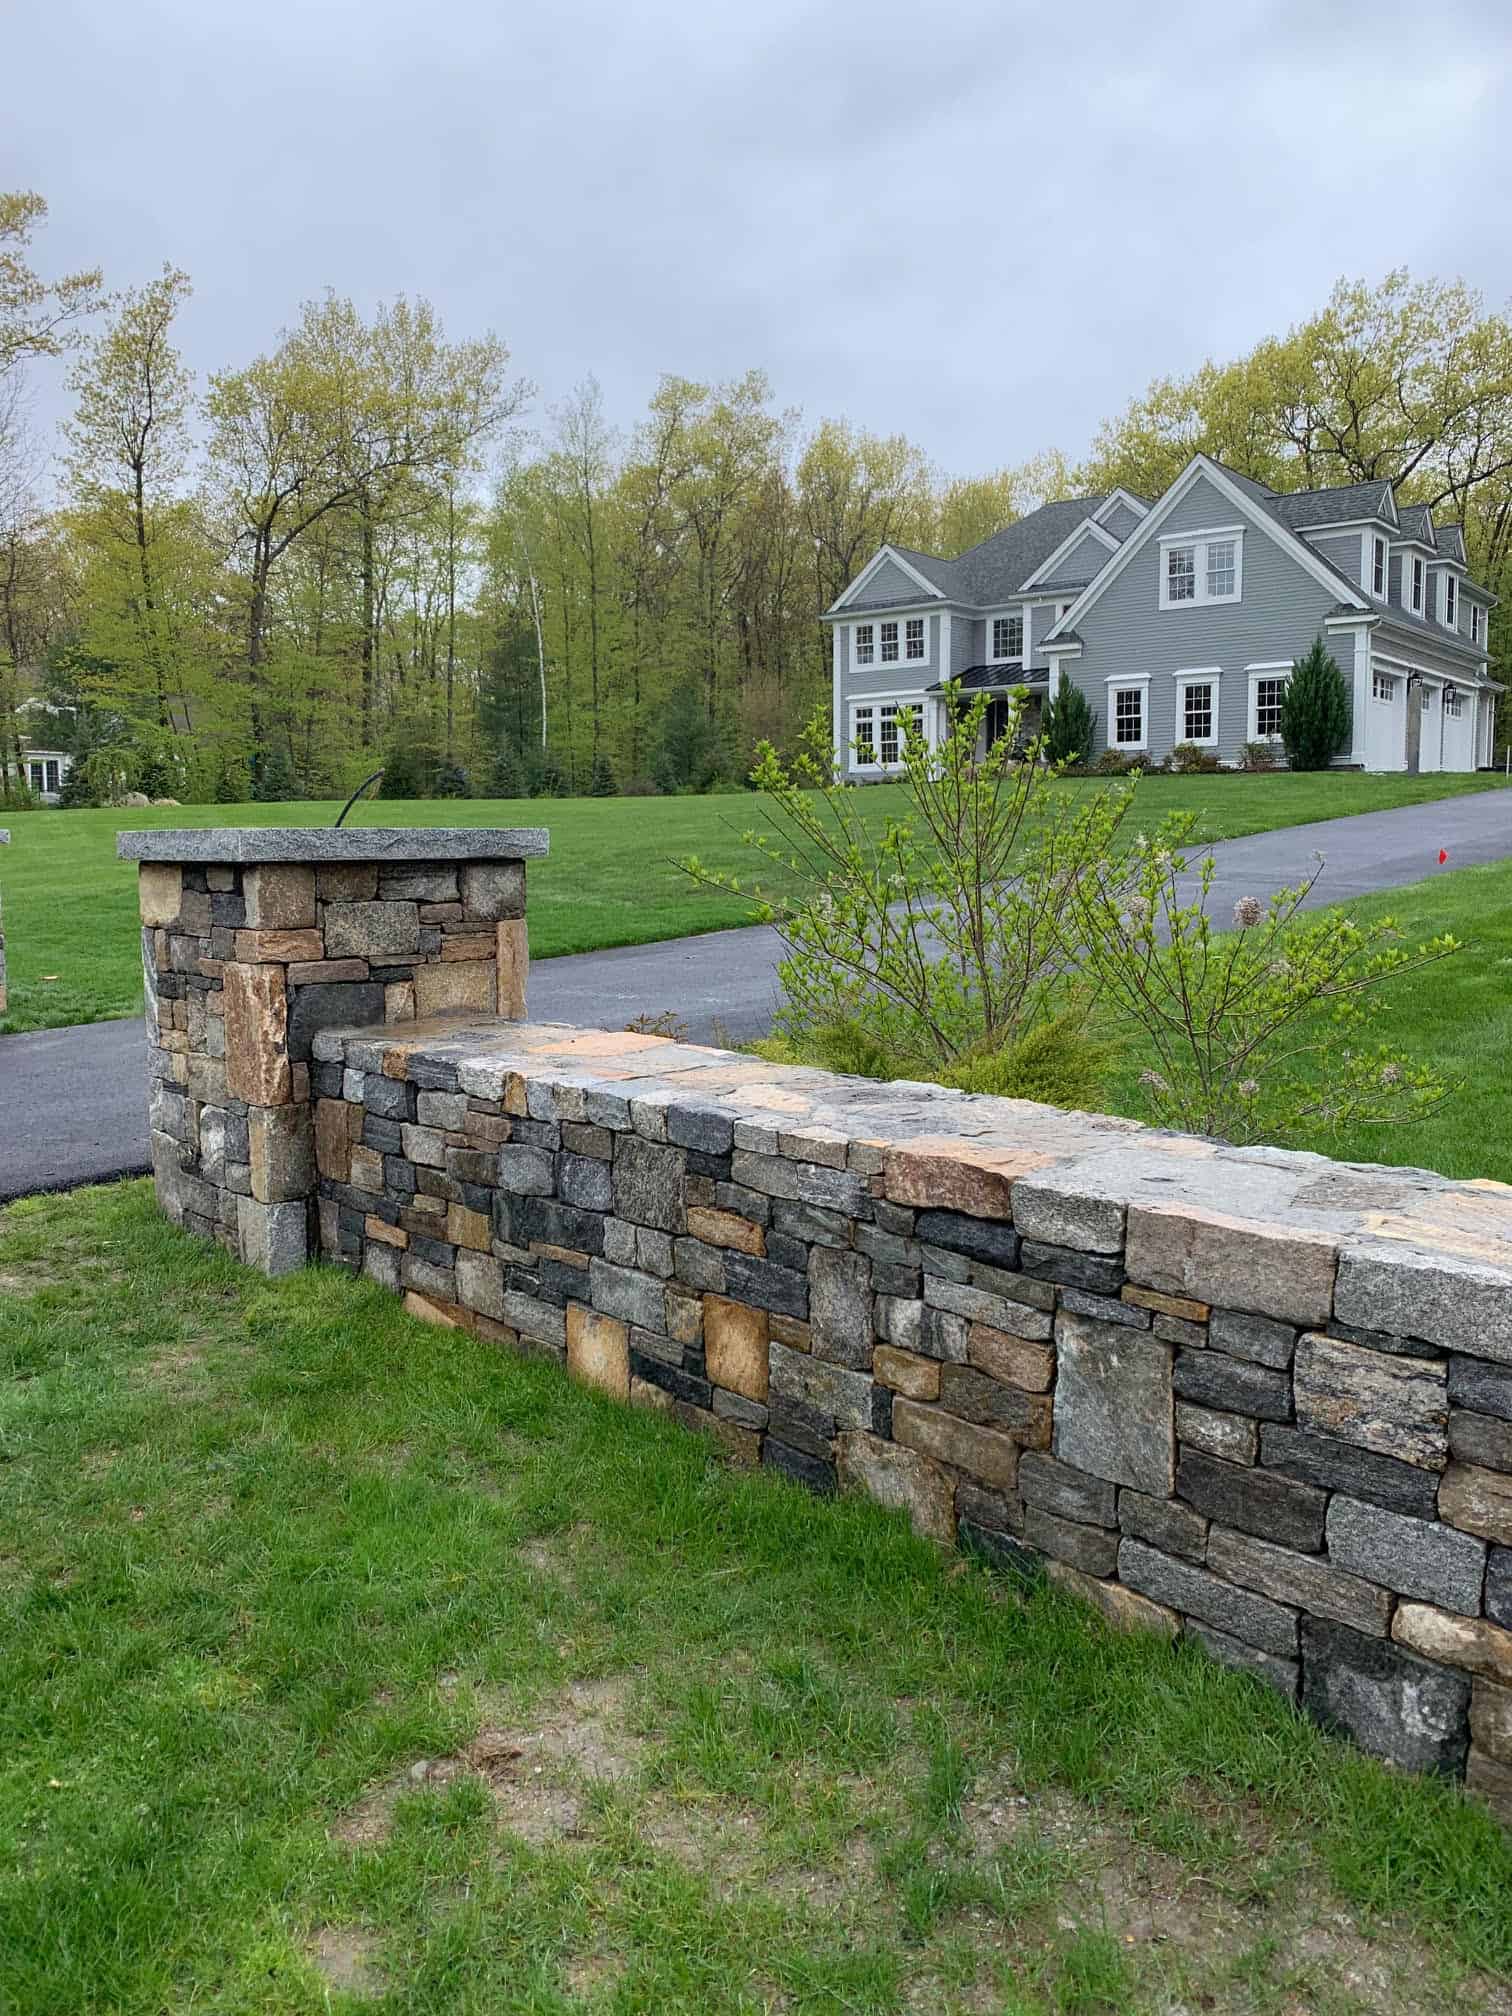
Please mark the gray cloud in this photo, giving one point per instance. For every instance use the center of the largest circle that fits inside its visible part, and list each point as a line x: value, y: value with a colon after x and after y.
x: 984, y: 225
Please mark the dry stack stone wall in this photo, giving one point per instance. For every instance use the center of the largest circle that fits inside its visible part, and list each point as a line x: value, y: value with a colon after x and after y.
x: 1257, y: 1398
x: 253, y: 942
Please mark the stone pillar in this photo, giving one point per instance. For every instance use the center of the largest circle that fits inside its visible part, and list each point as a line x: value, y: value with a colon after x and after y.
x: 4, y: 997
x: 253, y: 941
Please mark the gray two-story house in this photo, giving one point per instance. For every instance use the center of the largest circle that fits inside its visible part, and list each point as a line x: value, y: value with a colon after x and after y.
x: 1180, y: 620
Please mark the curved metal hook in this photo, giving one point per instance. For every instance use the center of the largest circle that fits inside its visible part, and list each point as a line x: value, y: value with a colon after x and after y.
x: 357, y: 794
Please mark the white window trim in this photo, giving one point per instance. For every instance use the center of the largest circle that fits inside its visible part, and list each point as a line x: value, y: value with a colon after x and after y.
x: 1451, y: 601
x: 902, y: 617
x: 1200, y: 675
x: 907, y: 697
x: 1477, y: 622
x: 1199, y: 541
x: 1021, y: 657
x: 1367, y: 564
x: 1274, y: 668
x: 1128, y: 682
x: 1417, y: 579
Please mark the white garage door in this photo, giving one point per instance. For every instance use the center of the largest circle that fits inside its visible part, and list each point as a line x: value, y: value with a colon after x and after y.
x: 1386, y: 721
x: 1459, y: 729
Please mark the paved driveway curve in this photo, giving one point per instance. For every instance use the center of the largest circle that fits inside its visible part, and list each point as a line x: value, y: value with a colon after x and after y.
x: 73, y: 1101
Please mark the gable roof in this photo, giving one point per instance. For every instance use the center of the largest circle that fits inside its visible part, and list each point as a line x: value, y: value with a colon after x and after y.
x: 1305, y: 508
x: 1417, y: 523
x: 1450, y: 541
x: 993, y: 572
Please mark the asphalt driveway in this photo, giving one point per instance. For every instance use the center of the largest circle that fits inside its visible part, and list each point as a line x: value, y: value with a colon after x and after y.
x: 73, y: 1102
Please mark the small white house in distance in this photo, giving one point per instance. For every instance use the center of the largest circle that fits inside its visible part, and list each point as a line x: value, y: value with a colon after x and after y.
x: 46, y: 771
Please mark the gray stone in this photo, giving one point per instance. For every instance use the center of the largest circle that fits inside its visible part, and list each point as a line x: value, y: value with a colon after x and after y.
x: 1256, y: 1501
x: 977, y: 1306
x: 1113, y: 1413
x: 703, y: 1128
x: 648, y: 1183
x: 1230, y: 1262
x: 1255, y: 1620
x: 587, y: 1183
x: 979, y: 1238
x: 816, y: 1227
x: 274, y: 1238
x: 1232, y: 1438
x: 631, y: 1296
x: 1415, y: 1557
x: 974, y: 1397
x: 1459, y: 1303
x: 542, y: 1322
x: 242, y: 844
x: 1053, y: 1215
x: 735, y: 1407
x: 765, y: 1285
x: 832, y: 1390
x: 1069, y: 1494
x: 989, y: 1509
x: 431, y: 882
x: 1396, y: 1406
x: 1212, y: 1379
x: 840, y: 1316
x: 1282, y: 1674
x: 900, y: 1321
x: 653, y: 1251
x: 1093, y: 1272
x: 1162, y: 1523
x: 427, y: 1278
x: 1498, y: 1596
x: 212, y: 1141
x: 1089, y: 1548
x: 1485, y: 1388
x: 1344, y: 1466
x: 377, y: 931
x: 699, y: 1266
x: 1473, y: 1438
x: 1105, y: 1309
x: 945, y: 1337
x: 620, y: 1243
x: 381, y: 1264
x: 335, y: 1004
x: 1321, y: 1587
x: 775, y: 1176
x: 494, y: 890
x: 447, y: 1110
x: 523, y: 1171
x: 1257, y: 1338
x: 390, y: 1098
x: 425, y: 1146
x: 480, y: 1283
x: 1392, y: 1703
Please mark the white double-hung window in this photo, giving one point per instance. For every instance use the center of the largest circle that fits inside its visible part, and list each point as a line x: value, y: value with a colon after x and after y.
x: 1007, y: 639
x: 878, y: 728
x: 1378, y: 566
x: 1267, y: 694
x: 1416, y: 578
x: 1477, y: 622
x: 1197, y: 706
x: 1451, y: 602
x: 1199, y: 568
x: 1128, y: 714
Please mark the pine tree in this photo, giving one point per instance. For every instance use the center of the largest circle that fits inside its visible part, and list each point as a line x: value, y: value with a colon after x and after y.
x: 1315, y: 711
x: 1069, y: 725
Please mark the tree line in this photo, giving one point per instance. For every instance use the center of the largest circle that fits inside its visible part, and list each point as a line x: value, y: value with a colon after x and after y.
x: 369, y: 545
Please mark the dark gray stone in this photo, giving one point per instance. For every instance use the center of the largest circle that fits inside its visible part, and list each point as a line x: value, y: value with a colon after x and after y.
x: 1105, y: 1308
x: 1256, y: 1338
x: 674, y: 1379
x: 1485, y: 1388
x: 980, y: 1507
x: 242, y: 844
x: 1345, y: 1466
x: 1415, y: 1557
x: 802, y: 1427
x: 521, y: 1221
x: 586, y: 1182
x: 631, y: 1296
x: 525, y: 1172
x: 1498, y: 1597
x: 392, y: 1098
x: 330, y: 1004
x: 1097, y: 1274
x: 1480, y: 1439
x: 1305, y: 1580
x: 813, y: 1225
x: 1089, y: 1548
x: 840, y: 1317
x: 831, y: 1390
x: 705, y: 1128
x: 1113, y: 1413
x: 1212, y: 1379
x: 699, y: 1266
x: 765, y: 1286
x: 1162, y: 1523
x: 1256, y: 1501
x: 1282, y: 1674
x: 735, y: 1407
x: 1256, y: 1620
x: 972, y: 1396
x: 1393, y: 1704
x: 1021, y: 1564
x: 648, y: 1184
x: 803, y: 1468
x: 1069, y: 1494
x: 423, y: 883
x: 979, y: 1238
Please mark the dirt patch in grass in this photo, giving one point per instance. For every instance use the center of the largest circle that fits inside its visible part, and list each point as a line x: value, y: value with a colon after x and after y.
x: 176, y: 1367
x: 538, y: 1772
x: 346, y: 1958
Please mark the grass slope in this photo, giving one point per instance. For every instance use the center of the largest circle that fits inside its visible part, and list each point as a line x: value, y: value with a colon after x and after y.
x: 611, y: 878
x: 341, y: 1657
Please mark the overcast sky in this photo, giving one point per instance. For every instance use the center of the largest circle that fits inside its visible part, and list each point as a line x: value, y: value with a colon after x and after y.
x: 986, y: 226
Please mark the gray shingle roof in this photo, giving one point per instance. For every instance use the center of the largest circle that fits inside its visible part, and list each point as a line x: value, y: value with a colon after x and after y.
x: 999, y: 567
x: 1417, y: 522
x: 1450, y: 541
x: 1301, y: 509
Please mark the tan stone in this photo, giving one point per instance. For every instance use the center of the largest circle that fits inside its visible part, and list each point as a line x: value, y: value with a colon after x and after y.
x: 399, y: 1001
x: 486, y: 1130
x: 310, y: 972
x: 1477, y: 1501
x: 1123, y: 1608
x: 283, y: 1153
x: 1490, y: 1780
x: 446, y: 1314
x: 1012, y: 1361
x: 160, y: 891
x: 280, y: 896
x: 1491, y: 1719
x: 684, y: 1317
x: 299, y: 1084
x: 736, y: 1346
x: 386, y: 1234
x: 1285, y: 1271
x: 282, y: 946
x: 512, y: 949
x: 899, y: 1478
x: 455, y: 989
x: 653, y: 1398
x: 915, y: 1378
x: 1467, y: 1642
x: 568, y: 1256
x: 1179, y: 1306
x: 333, y: 1142
x: 257, y: 1063
x: 726, y: 1228
x: 942, y: 1173
x: 366, y: 1170
x: 792, y: 1331
x: 598, y: 1350
x: 981, y: 1452
x: 462, y: 945
x: 469, y: 1228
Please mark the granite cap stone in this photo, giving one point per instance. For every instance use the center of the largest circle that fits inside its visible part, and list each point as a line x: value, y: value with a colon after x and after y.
x: 245, y: 845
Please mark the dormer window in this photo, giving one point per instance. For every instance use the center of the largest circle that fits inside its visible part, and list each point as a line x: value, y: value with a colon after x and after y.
x: 1417, y: 585
x: 1477, y: 622
x: 1007, y: 638
x: 1198, y: 568
x: 1451, y: 601
x: 1378, y: 566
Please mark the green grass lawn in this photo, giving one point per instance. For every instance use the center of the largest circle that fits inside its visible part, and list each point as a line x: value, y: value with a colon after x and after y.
x: 346, y: 1663
x: 611, y: 879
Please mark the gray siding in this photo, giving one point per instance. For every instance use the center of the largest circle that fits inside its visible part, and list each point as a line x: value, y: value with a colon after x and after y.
x: 901, y: 678
x: 965, y: 644
x: 1341, y: 550
x: 1121, y: 521
x: 1127, y: 632
x: 1087, y: 557
x: 1042, y: 620
x: 891, y: 584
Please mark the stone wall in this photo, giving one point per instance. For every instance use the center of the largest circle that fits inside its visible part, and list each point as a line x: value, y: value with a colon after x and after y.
x: 1257, y: 1398
x: 252, y: 942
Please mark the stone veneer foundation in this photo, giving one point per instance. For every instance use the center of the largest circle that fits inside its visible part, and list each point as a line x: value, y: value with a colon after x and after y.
x: 254, y: 940
x: 1257, y: 1398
